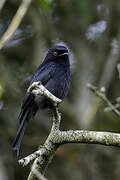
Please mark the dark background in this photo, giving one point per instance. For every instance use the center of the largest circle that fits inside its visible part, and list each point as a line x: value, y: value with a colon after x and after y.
x: 91, y: 29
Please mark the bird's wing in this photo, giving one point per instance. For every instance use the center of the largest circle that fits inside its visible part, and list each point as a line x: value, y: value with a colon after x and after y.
x: 43, y: 74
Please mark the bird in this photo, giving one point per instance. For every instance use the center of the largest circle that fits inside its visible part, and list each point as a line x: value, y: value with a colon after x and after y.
x: 54, y: 74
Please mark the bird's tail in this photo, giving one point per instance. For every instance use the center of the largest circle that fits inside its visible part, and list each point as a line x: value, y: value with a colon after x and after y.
x: 24, y: 117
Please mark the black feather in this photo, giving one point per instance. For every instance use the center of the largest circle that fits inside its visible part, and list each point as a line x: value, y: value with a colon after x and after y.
x: 54, y: 74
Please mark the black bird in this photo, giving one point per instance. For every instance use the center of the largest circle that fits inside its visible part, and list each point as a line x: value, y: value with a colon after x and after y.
x: 54, y: 74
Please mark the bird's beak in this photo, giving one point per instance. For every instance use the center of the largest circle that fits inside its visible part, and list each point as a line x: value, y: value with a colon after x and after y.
x: 66, y: 53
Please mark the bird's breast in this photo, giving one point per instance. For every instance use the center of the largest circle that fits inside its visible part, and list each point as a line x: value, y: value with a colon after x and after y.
x: 62, y: 82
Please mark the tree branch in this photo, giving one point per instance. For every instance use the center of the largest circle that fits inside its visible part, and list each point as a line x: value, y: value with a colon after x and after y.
x: 39, y: 175
x: 89, y: 137
x: 38, y: 89
x: 46, y: 152
x: 2, y: 2
x: 101, y: 94
x: 15, y: 22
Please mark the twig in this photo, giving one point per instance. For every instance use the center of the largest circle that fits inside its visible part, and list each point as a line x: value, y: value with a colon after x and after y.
x: 15, y: 22
x: 38, y: 174
x: 118, y: 68
x: 2, y: 2
x: 26, y: 160
x: 102, y: 96
x: 108, y: 109
x: 38, y: 89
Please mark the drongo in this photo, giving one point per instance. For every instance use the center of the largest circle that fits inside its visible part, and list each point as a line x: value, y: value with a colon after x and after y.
x: 54, y: 74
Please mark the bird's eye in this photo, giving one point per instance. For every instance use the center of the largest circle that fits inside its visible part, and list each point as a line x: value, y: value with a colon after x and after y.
x: 55, y: 53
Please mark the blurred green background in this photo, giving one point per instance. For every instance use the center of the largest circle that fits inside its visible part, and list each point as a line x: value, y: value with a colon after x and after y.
x: 91, y: 30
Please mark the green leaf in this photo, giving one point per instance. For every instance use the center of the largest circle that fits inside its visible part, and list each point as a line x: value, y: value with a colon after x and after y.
x: 45, y: 4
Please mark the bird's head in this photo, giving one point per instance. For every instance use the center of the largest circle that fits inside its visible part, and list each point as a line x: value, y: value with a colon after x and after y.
x: 57, y: 53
